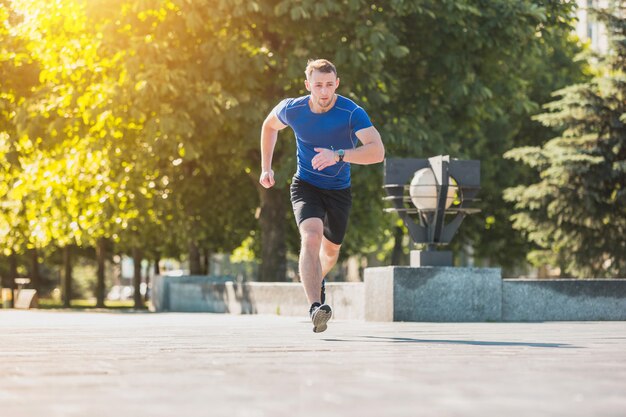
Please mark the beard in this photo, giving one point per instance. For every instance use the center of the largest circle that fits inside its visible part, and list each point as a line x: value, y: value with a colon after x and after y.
x: 325, y: 103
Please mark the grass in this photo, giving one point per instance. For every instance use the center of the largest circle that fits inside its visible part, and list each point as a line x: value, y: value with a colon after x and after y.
x: 50, y: 303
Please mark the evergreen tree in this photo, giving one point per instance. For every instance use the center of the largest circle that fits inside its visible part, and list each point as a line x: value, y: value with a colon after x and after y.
x: 576, y: 212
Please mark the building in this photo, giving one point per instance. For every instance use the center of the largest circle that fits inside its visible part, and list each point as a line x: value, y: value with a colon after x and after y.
x: 589, y: 29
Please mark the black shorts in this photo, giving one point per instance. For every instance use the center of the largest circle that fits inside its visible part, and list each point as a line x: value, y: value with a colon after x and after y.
x: 332, y: 206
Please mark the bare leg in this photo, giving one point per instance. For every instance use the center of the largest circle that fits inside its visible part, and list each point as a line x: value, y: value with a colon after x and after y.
x: 311, y: 235
x: 329, y: 253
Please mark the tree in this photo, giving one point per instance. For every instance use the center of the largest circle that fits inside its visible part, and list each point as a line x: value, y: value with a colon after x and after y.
x: 475, y: 73
x: 137, y: 123
x: 576, y: 212
x: 182, y: 101
x: 65, y: 179
x: 436, y: 77
x: 358, y: 43
x: 551, y: 64
x: 18, y: 74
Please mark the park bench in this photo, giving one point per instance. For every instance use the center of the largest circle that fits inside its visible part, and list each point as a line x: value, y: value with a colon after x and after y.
x: 21, y: 298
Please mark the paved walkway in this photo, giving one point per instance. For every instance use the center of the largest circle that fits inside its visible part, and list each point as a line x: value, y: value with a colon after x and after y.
x: 140, y: 364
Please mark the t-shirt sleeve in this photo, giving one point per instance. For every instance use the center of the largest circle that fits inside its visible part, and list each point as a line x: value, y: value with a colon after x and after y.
x: 281, y: 111
x: 360, y: 120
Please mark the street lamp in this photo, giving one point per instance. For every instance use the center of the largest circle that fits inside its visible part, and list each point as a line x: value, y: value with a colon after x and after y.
x: 426, y: 191
x: 423, y: 190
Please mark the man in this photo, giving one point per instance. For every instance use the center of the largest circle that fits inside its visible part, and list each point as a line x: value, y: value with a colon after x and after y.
x: 327, y: 127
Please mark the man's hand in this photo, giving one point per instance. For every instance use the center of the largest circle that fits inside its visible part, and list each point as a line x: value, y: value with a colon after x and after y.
x: 267, y: 179
x: 324, y: 158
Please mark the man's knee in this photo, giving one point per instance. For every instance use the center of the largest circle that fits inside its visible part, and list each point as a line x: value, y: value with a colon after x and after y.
x: 311, y: 234
x: 311, y: 239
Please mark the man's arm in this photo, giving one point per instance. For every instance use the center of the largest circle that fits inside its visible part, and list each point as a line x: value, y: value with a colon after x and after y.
x: 371, y: 152
x: 269, y: 135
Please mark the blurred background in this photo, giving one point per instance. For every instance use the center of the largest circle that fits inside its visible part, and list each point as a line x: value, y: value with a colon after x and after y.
x: 129, y: 135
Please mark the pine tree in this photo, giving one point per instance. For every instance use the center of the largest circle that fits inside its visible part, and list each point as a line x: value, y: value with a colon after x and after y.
x: 576, y: 212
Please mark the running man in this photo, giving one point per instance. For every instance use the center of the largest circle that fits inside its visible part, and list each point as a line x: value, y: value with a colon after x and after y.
x: 328, y: 128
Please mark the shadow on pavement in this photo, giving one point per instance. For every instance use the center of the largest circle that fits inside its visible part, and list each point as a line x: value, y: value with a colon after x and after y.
x: 457, y: 342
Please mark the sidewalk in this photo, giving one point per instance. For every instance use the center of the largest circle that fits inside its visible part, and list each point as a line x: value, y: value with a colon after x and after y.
x: 93, y: 364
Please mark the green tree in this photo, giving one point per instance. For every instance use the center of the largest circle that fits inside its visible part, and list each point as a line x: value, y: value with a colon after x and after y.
x: 576, y: 212
x: 358, y: 43
x: 436, y: 77
x: 551, y: 65
x: 138, y: 122
x: 475, y: 73
x: 18, y: 74
x: 182, y: 99
x: 66, y: 185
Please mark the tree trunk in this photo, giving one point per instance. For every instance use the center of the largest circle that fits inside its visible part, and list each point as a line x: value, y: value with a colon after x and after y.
x: 35, y: 274
x: 397, y: 255
x: 137, y: 278
x: 4, y: 280
x: 157, y: 268
x: 12, y: 270
x: 195, y: 266
x: 206, y: 264
x: 146, y: 296
x: 67, y: 276
x: 101, y: 256
x: 273, y: 240
x: 9, y: 281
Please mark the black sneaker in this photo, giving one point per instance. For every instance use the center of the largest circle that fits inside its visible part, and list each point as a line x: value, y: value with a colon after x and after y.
x: 320, y: 316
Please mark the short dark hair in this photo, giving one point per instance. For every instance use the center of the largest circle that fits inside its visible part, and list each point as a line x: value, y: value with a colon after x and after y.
x: 321, y: 65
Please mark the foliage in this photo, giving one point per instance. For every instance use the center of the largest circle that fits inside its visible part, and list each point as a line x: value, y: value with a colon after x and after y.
x: 576, y: 211
x: 18, y: 73
x: 436, y: 77
x: 475, y: 73
x: 138, y: 121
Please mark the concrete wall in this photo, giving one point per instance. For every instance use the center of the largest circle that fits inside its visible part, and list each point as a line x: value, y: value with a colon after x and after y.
x: 406, y: 294
x: 160, y: 292
x: 223, y: 295
x: 563, y: 299
x: 435, y: 294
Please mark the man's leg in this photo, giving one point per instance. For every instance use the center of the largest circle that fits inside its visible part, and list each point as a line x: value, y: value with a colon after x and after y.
x: 329, y: 253
x: 311, y: 235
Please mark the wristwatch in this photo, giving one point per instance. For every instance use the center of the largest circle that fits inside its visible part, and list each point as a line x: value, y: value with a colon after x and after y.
x: 340, y: 153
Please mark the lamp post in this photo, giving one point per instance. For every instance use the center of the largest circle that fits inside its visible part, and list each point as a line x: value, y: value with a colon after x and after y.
x: 426, y: 191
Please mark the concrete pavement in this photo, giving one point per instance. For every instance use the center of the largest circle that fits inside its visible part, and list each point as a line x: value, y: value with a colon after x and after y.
x: 92, y: 364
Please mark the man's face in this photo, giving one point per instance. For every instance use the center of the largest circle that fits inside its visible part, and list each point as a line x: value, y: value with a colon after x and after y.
x: 322, y: 86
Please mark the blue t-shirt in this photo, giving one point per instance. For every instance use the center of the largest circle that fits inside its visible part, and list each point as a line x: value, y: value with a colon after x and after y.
x: 334, y: 129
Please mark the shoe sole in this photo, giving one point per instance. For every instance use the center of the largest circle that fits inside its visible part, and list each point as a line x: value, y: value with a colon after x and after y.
x: 320, y: 318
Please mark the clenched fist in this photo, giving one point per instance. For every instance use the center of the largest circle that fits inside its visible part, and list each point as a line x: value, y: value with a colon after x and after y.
x: 267, y: 179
